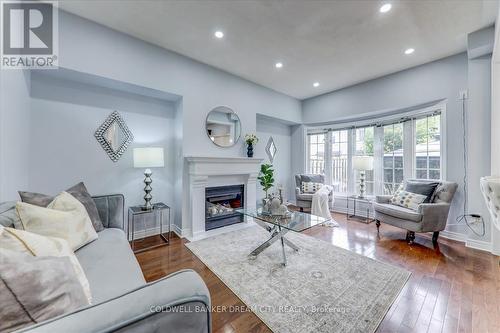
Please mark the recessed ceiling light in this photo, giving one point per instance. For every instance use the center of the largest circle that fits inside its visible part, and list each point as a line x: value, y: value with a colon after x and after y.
x: 385, y: 8
x: 278, y: 65
x: 219, y: 34
x: 316, y: 84
x: 409, y: 51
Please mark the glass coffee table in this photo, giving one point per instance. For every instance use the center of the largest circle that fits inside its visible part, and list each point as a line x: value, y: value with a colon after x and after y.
x: 278, y: 226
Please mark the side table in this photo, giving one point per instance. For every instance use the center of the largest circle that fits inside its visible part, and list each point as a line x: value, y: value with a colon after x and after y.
x: 367, y: 200
x: 158, y: 211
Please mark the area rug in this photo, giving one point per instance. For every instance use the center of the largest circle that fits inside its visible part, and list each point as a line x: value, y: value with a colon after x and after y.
x: 323, y: 288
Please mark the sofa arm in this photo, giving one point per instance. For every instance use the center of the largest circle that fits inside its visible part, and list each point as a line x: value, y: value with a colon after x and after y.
x: 434, y: 216
x: 179, y: 302
x: 383, y: 199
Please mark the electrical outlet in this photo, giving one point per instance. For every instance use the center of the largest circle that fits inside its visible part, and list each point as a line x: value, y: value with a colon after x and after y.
x: 463, y: 94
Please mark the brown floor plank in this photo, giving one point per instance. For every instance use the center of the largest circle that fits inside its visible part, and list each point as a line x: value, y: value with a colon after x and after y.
x: 452, y: 288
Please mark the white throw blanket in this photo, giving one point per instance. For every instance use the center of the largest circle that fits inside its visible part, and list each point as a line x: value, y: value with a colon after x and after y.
x: 320, y: 207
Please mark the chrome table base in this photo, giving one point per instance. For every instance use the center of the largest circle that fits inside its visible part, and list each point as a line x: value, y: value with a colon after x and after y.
x: 277, y: 233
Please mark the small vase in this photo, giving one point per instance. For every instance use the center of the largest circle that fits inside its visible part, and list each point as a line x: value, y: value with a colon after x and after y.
x: 250, y: 150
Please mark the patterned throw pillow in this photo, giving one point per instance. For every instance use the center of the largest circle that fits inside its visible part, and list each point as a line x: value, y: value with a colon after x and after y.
x: 65, y: 217
x: 310, y: 187
x: 407, y: 199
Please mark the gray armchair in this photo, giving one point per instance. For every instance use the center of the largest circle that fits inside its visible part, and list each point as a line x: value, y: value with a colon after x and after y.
x: 304, y: 200
x: 430, y: 217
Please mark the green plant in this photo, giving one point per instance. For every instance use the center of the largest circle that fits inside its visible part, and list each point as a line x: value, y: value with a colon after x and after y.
x: 266, y: 177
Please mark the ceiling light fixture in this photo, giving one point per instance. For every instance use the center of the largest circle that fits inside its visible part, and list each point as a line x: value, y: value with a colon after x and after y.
x: 409, y: 51
x: 385, y: 8
x: 219, y: 34
x: 316, y: 84
x: 278, y: 65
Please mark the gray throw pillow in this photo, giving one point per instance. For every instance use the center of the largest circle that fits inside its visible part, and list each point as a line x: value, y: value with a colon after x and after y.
x: 423, y: 188
x: 8, y: 214
x: 79, y: 191
x: 34, y: 289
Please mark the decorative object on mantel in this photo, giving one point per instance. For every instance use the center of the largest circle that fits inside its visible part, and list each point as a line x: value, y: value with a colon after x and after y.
x: 250, y: 140
x: 223, y: 126
x: 114, y: 136
x: 362, y: 164
x: 150, y: 157
x: 271, y: 149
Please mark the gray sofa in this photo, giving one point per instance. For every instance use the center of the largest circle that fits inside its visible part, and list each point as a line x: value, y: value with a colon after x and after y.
x: 304, y: 200
x: 122, y: 300
x: 430, y: 217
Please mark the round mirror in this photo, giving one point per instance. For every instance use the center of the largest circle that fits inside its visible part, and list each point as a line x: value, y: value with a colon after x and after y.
x: 223, y: 126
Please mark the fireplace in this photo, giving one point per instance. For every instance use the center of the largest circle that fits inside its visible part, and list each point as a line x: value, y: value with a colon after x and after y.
x: 220, y: 205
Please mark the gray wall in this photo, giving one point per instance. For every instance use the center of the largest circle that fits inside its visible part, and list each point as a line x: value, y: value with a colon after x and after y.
x: 281, y: 133
x: 439, y: 80
x: 14, y: 134
x: 63, y: 150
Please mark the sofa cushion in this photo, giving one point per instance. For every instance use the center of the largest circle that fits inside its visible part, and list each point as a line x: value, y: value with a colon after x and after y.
x: 426, y: 188
x: 305, y: 196
x: 110, y: 265
x: 79, y: 191
x: 8, y: 214
x: 34, y: 289
x: 397, y: 211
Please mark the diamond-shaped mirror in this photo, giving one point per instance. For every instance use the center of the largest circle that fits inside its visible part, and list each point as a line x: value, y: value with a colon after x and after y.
x: 271, y: 149
x: 114, y: 136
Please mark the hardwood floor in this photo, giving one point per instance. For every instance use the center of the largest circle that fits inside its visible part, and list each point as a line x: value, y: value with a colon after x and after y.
x: 452, y: 288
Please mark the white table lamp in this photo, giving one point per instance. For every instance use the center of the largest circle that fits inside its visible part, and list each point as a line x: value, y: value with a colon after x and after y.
x: 149, y: 157
x: 362, y: 164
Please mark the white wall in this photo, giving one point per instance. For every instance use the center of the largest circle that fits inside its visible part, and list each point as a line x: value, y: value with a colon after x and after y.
x: 439, y: 80
x: 281, y: 134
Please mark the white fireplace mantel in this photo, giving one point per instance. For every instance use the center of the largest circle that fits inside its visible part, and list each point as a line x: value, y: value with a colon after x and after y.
x: 224, y: 170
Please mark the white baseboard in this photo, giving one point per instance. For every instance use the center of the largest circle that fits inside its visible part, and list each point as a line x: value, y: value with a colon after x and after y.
x: 478, y: 245
x: 456, y: 236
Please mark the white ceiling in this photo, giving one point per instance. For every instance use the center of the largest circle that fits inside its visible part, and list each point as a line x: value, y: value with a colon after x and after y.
x: 337, y: 43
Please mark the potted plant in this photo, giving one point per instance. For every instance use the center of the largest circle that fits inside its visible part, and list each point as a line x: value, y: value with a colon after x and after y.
x: 250, y: 140
x: 266, y: 177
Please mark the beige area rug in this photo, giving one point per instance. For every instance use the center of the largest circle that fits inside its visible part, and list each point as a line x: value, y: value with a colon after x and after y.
x: 322, y: 289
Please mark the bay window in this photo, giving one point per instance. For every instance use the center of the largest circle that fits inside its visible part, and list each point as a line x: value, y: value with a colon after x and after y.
x: 402, y: 148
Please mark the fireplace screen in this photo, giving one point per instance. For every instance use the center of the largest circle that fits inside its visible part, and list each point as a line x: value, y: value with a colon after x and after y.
x: 220, y: 205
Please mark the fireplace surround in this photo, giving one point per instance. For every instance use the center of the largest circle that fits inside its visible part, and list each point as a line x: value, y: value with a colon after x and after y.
x: 204, y: 172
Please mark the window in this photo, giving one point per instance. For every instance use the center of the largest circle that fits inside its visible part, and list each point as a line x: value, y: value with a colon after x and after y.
x: 317, y: 153
x: 393, y: 157
x: 339, y: 172
x: 428, y: 147
x: 409, y: 147
x: 364, y: 147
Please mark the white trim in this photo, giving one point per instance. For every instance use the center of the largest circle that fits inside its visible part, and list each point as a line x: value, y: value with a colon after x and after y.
x: 456, y: 236
x: 478, y: 245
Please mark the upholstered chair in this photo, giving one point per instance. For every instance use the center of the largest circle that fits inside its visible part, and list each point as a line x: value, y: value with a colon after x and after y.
x: 430, y: 217
x: 304, y: 200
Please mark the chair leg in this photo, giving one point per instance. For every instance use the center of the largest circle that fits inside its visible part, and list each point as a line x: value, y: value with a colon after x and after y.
x: 435, y: 236
x: 301, y: 209
x: 410, y: 237
x: 377, y: 223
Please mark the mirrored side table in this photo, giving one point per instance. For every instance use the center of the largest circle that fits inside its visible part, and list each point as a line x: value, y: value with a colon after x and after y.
x: 160, y: 212
x: 356, y: 200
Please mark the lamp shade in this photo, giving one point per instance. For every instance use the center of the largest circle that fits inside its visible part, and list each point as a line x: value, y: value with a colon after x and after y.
x: 362, y: 162
x: 150, y: 157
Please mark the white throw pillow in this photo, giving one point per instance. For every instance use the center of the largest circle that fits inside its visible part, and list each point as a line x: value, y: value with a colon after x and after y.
x: 65, y: 217
x: 407, y: 199
x: 41, y: 246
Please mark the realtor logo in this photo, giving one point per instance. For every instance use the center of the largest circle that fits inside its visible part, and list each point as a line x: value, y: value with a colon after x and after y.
x: 29, y: 34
